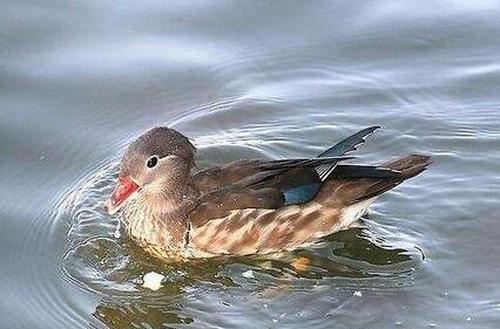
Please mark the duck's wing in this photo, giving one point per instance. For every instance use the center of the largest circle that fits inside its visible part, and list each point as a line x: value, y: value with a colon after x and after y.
x: 273, y: 184
x: 268, y: 185
x: 208, y: 180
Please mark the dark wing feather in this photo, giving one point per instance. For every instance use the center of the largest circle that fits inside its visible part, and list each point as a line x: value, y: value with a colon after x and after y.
x: 341, y: 148
x: 349, y: 144
x: 361, y: 171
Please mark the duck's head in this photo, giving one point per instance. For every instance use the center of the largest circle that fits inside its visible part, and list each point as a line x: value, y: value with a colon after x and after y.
x: 154, y: 165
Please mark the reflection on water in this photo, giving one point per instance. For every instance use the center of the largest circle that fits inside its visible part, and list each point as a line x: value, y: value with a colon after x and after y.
x: 136, y: 315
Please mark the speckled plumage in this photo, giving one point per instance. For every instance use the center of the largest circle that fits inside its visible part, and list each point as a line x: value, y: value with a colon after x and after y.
x: 246, y: 207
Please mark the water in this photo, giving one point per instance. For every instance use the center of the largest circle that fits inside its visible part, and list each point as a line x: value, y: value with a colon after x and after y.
x: 79, y: 80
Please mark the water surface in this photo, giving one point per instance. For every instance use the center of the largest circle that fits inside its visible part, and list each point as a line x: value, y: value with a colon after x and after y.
x: 79, y: 80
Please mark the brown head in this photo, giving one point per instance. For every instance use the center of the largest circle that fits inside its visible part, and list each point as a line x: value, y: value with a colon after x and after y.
x: 156, y: 166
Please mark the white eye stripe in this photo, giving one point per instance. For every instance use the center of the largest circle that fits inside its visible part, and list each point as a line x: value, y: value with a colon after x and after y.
x: 155, y: 159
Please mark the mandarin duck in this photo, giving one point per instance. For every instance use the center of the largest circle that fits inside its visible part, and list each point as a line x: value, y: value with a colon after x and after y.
x: 247, y: 207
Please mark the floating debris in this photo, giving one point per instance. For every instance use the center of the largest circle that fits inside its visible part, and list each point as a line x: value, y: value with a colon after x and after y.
x: 357, y: 294
x: 248, y: 274
x: 152, y: 280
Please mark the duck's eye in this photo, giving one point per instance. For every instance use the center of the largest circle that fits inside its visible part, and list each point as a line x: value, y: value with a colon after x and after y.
x: 153, y: 161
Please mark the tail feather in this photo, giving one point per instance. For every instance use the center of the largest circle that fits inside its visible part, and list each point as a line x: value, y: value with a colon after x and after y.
x: 350, y: 189
x: 408, y: 167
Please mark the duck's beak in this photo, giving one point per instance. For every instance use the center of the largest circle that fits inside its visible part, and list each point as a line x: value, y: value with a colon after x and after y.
x: 123, y: 191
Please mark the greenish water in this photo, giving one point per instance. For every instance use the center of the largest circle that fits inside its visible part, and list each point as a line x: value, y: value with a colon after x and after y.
x: 79, y: 80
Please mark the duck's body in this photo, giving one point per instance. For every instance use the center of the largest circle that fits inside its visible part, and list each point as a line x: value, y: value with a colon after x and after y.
x: 245, y: 207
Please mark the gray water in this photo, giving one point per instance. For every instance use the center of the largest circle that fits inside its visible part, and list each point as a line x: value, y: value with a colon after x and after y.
x: 80, y: 79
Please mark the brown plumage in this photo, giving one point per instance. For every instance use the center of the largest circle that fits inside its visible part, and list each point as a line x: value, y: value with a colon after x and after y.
x: 245, y: 207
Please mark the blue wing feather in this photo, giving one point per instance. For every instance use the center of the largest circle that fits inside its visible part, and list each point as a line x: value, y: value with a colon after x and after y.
x: 300, y: 194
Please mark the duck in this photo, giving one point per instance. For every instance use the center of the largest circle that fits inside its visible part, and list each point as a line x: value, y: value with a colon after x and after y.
x: 177, y: 212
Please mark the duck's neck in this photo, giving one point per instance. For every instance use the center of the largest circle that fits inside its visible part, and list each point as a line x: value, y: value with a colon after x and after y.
x: 159, y: 219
